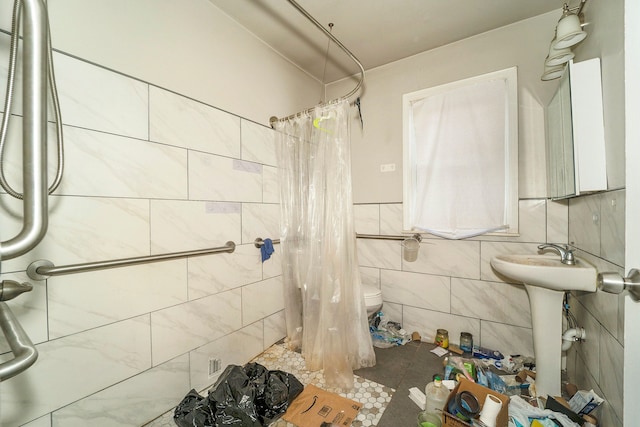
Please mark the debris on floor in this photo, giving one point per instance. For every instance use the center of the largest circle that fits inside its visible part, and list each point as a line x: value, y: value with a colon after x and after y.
x: 386, y: 333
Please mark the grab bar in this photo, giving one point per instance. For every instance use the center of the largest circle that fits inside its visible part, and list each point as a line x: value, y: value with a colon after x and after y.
x: 34, y: 151
x: 21, y: 346
x: 43, y: 269
x: 259, y: 241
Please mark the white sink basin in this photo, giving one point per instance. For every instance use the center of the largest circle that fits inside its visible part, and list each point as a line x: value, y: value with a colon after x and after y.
x: 546, y: 279
x: 547, y: 271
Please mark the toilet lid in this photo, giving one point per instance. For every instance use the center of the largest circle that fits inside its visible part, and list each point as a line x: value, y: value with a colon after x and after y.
x: 371, y: 291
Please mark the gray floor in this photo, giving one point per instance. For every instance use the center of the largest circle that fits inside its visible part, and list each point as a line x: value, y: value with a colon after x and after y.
x: 403, y: 367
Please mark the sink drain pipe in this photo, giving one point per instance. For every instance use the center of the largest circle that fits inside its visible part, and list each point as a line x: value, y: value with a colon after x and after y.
x: 572, y: 335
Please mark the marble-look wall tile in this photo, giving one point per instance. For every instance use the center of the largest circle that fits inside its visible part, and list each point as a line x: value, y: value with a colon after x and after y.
x: 78, y: 302
x: 261, y: 299
x: 426, y: 322
x: 558, y: 221
x: 181, y: 328
x: 391, y: 218
x: 30, y: 309
x: 183, y: 122
x: 589, y: 348
x: 367, y: 219
x: 370, y: 276
x: 475, y: 298
x: 94, y: 98
x: 447, y: 258
x: 417, y: 290
x: 379, y: 253
x: 275, y: 329
x: 260, y: 220
x: 186, y: 225
x: 270, y: 185
x: 122, y: 167
x: 612, y: 371
x: 531, y: 223
x: 393, y: 311
x: 258, y: 143
x: 584, y: 223
x: 104, y: 355
x: 491, y: 249
x: 273, y: 266
x: 40, y: 422
x: 82, y: 229
x: 237, y: 348
x: 220, y: 178
x: 612, y: 226
x: 507, y: 339
x: 211, y: 274
x: 132, y: 402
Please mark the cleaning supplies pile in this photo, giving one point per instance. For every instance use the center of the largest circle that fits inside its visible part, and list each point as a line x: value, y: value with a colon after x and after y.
x: 386, y: 333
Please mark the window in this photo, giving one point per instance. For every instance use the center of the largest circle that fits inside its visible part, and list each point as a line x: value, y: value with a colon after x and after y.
x: 461, y: 157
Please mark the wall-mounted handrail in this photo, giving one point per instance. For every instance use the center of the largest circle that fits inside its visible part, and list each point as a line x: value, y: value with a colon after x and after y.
x: 25, y: 353
x: 43, y: 269
x: 259, y: 241
x: 34, y: 151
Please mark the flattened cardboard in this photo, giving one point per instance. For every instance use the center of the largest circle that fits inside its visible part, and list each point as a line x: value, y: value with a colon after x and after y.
x: 315, y: 406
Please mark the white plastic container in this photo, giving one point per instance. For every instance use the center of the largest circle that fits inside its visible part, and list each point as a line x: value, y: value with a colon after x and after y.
x: 436, y: 395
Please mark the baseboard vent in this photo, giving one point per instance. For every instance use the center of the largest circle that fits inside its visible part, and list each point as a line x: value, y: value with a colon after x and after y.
x: 215, y: 366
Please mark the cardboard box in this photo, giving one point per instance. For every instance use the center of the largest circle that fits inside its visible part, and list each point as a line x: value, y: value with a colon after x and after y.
x: 315, y: 406
x: 480, y: 392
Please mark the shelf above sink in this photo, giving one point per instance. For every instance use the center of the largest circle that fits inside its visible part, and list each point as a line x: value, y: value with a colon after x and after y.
x: 546, y: 271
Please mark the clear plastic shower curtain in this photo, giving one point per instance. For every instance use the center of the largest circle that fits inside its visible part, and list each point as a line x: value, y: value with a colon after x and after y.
x: 324, y: 308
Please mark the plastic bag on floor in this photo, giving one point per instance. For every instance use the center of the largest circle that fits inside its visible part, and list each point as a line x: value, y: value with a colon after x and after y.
x: 249, y: 396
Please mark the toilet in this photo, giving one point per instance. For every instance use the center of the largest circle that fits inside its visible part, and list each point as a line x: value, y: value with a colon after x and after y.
x: 372, y: 299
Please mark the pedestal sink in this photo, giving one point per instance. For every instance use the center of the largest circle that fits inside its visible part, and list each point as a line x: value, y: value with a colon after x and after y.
x: 546, y: 279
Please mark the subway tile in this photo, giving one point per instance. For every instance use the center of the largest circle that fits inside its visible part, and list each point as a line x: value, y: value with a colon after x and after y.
x: 122, y: 167
x: 261, y: 299
x: 236, y: 348
x: 82, y: 229
x: 391, y: 218
x: 507, y: 339
x: 612, y: 226
x: 94, y: 98
x: 219, y: 178
x: 379, y: 253
x: 78, y: 302
x: 187, y: 225
x: 258, y: 143
x: 260, y: 220
x: 134, y: 401
x: 182, y: 328
x: 475, y: 298
x: 275, y: 328
x: 584, y: 223
x: 417, y: 290
x: 105, y: 355
x: 183, y: 122
x: 558, y: 221
x: 30, y: 309
x: 367, y: 219
x: 447, y: 258
x: 211, y: 274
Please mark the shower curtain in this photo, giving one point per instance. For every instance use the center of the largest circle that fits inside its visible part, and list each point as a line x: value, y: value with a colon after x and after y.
x: 324, y: 308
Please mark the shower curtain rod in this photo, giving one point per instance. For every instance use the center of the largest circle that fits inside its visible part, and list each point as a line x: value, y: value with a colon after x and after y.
x: 43, y: 269
x: 274, y: 119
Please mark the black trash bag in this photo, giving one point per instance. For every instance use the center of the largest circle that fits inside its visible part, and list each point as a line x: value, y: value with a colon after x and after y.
x: 249, y: 396
x: 194, y: 410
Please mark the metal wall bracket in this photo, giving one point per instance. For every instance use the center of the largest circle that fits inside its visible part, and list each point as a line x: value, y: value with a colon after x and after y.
x: 614, y: 283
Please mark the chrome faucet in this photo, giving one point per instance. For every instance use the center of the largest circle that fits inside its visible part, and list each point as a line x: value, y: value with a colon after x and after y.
x: 566, y: 254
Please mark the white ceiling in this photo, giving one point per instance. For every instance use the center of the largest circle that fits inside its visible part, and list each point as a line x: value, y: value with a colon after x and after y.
x: 377, y: 32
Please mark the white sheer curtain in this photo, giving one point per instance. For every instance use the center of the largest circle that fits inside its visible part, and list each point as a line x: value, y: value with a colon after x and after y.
x: 324, y: 307
x: 460, y: 170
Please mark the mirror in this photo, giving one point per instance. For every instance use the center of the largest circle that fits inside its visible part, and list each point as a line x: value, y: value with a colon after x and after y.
x: 576, y: 162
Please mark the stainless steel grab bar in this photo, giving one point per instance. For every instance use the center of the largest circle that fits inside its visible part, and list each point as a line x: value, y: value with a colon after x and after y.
x: 34, y: 149
x: 43, y: 269
x: 259, y: 241
x: 21, y: 346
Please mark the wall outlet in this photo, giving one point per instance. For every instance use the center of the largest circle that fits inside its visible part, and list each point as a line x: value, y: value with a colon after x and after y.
x: 215, y: 366
x: 389, y: 167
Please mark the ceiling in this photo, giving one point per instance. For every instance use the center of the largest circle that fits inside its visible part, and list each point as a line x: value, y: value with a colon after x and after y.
x: 377, y: 32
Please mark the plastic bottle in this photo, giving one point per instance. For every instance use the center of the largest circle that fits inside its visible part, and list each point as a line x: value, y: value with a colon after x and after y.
x: 437, y: 395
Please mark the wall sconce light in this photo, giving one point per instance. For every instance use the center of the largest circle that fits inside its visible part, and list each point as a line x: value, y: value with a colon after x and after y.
x: 568, y: 33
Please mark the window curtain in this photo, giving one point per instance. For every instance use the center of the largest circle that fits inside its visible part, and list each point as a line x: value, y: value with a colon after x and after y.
x: 454, y: 135
x: 324, y: 306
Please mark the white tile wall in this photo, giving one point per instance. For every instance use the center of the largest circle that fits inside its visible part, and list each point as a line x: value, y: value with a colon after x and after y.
x: 258, y: 143
x: 221, y: 178
x: 261, y: 299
